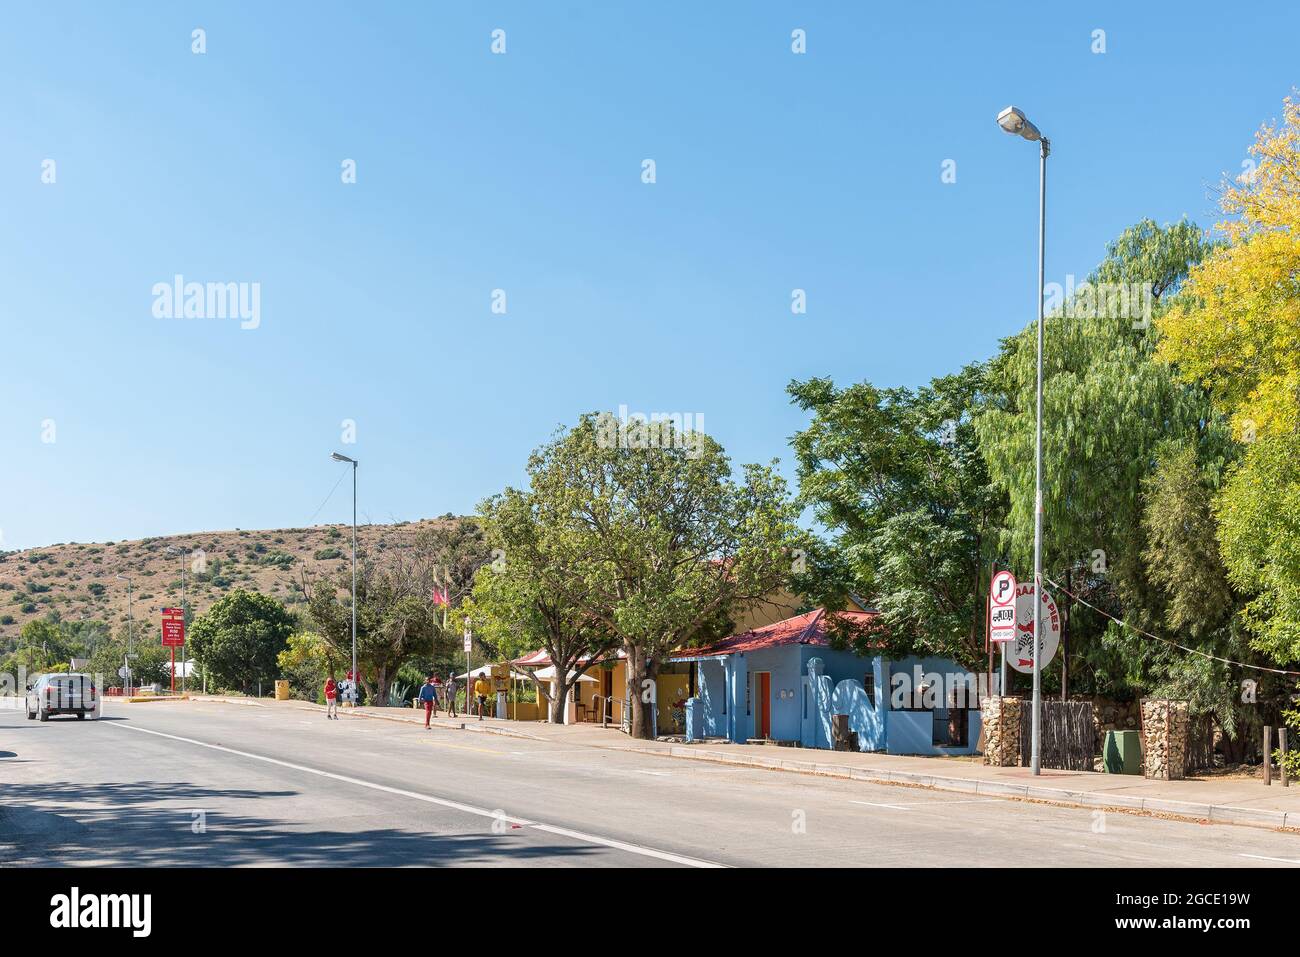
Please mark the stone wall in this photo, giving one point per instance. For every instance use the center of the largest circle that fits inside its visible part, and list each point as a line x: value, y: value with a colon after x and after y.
x: 1164, y: 738
x: 1001, y: 729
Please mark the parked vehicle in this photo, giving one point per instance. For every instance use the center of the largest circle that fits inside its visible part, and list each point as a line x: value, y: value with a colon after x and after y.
x: 63, y: 694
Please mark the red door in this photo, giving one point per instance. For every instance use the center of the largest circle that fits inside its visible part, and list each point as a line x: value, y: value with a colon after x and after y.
x: 765, y: 704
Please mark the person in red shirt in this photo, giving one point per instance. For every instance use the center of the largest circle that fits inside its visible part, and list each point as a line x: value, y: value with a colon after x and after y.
x: 331, y: 698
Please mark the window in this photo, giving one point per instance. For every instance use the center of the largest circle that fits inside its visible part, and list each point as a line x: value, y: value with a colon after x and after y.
x: 869, y: 683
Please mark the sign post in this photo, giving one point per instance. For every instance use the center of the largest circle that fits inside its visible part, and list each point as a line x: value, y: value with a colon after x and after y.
x: 1002, y: 617
x: 173, y: 635
x: 468, y: 641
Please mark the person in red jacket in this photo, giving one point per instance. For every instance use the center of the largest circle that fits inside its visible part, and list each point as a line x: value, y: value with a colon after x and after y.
x: 331, y: 698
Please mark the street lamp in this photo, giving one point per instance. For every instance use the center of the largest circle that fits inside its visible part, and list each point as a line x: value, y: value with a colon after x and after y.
x: 183, y: 553
x: 339, y: 457
x: 126, y: 661
x: 1015, y: 122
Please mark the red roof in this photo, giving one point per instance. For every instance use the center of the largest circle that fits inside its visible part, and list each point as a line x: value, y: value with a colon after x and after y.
x: 806, y: 629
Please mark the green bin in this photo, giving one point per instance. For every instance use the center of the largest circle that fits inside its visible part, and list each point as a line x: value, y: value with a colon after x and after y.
x: 1122, y: 753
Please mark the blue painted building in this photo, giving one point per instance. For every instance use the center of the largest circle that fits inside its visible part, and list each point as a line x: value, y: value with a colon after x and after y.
x: 783, y: 682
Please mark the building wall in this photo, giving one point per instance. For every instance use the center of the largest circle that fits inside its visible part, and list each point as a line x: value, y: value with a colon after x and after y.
x: 912, y: 732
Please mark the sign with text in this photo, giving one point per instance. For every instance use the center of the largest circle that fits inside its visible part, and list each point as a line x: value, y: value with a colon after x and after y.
x: 1002, y: 607
x: 173, y: 628
x: 1020, y: 654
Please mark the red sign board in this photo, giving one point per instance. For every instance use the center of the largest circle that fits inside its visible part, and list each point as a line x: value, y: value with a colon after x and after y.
x: 173, y: 628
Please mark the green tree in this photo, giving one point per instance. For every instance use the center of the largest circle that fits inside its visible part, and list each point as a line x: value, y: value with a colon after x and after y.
x: 896, y: 477
x: 1108, y: 407
x: 239, y: 638
x: 396, y: 619
x: 307, y: 660
x: 668, y: 545
x: 533, y: 595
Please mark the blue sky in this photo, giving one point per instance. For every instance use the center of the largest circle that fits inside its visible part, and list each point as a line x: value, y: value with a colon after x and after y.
x: 522, y: 172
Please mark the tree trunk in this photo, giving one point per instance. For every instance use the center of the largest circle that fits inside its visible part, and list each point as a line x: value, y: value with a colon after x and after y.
x: 557, y: 704
x: 641, y: 689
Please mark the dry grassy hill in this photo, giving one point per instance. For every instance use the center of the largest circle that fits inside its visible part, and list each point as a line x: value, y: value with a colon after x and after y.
x: 79, y: 580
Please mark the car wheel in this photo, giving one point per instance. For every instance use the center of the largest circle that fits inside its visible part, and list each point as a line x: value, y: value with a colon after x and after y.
x: 81, y: 716
x: 45, y: 715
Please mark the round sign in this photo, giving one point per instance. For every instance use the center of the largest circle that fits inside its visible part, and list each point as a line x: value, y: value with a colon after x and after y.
x: 1002, y: 590
x: 1020, y: 651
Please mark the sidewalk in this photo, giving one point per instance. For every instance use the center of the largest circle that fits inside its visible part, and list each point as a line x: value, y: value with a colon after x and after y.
x: 1211, y: 800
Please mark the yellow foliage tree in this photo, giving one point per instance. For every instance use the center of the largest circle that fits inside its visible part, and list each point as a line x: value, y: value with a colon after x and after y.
x: 1237, y: 332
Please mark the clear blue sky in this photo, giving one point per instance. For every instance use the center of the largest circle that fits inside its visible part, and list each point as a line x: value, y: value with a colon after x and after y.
x: 523, y: 172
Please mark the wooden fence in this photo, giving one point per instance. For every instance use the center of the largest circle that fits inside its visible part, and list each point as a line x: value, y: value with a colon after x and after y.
x: 1200, y: 744
x: 1069, y: 738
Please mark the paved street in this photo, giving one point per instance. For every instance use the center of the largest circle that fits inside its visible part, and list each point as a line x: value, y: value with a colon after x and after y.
x: 206, y: 783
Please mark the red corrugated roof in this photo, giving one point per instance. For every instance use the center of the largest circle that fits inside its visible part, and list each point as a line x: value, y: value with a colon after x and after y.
x: 806, y: 629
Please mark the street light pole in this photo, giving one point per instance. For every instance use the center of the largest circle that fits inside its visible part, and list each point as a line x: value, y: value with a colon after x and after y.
x: 1014, y: 121
x: 337, y: 457
x: 126, y: 662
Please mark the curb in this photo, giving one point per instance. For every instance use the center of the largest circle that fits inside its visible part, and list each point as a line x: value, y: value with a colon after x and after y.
x: 1190, y: 810
x: 144, y: 699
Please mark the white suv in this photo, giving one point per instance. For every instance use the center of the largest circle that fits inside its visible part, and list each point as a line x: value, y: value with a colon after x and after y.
x: 63, y: 694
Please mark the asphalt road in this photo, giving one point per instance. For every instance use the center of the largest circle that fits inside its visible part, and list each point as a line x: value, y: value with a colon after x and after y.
x: 213, y: 784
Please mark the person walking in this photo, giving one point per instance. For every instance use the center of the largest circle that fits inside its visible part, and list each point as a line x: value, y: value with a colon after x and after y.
x: 450, y: 690
x: 331, y: 698
x: 482, y: 688
x: 429, y: 698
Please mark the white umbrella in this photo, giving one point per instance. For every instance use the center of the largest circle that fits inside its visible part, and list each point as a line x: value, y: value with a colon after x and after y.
x: 548, y: 674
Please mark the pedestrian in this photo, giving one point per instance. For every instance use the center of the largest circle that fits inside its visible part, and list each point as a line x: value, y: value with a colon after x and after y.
x: 449, y: 689
x: 437, y: 694
x: 331, y: 698
x: 482, y: 688
x: 429, y: 697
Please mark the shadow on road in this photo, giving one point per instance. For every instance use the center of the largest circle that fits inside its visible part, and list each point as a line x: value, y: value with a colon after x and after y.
x: 164, y: 824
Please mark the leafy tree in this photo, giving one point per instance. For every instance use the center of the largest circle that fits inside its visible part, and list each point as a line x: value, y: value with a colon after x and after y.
x: 1237, y: 332
x: 667, y: 544
x: 239, y: 638
x: 396, y: 619
x: 534, y: 595
x: 896, y: 476
x: 1108, y: 408
x: 307, y: 660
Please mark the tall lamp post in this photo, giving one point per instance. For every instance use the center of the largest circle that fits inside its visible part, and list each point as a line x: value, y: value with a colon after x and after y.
x: 339, y: 457
x: 1015, y: 122
x: 126, y: 660
x: 184, y: 553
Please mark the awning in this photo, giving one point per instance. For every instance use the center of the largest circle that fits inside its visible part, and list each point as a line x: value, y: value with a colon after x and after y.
x: 548, y: 674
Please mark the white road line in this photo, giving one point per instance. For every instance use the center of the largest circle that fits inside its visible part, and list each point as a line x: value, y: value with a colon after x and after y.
x: 1282, y: 860
x: 909, y: 806
x: 442, y: 802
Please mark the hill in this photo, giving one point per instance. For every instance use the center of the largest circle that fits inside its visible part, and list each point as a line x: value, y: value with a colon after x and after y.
x: 79, y: 580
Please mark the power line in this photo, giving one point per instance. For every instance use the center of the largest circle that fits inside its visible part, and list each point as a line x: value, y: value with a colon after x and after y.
x: 1168, y: 641
x: 342, y: 475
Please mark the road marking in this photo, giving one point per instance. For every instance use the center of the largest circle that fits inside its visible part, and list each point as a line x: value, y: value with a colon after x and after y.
x: 1282, y: 860
x: 442, y: 802
x: 908, y: 807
